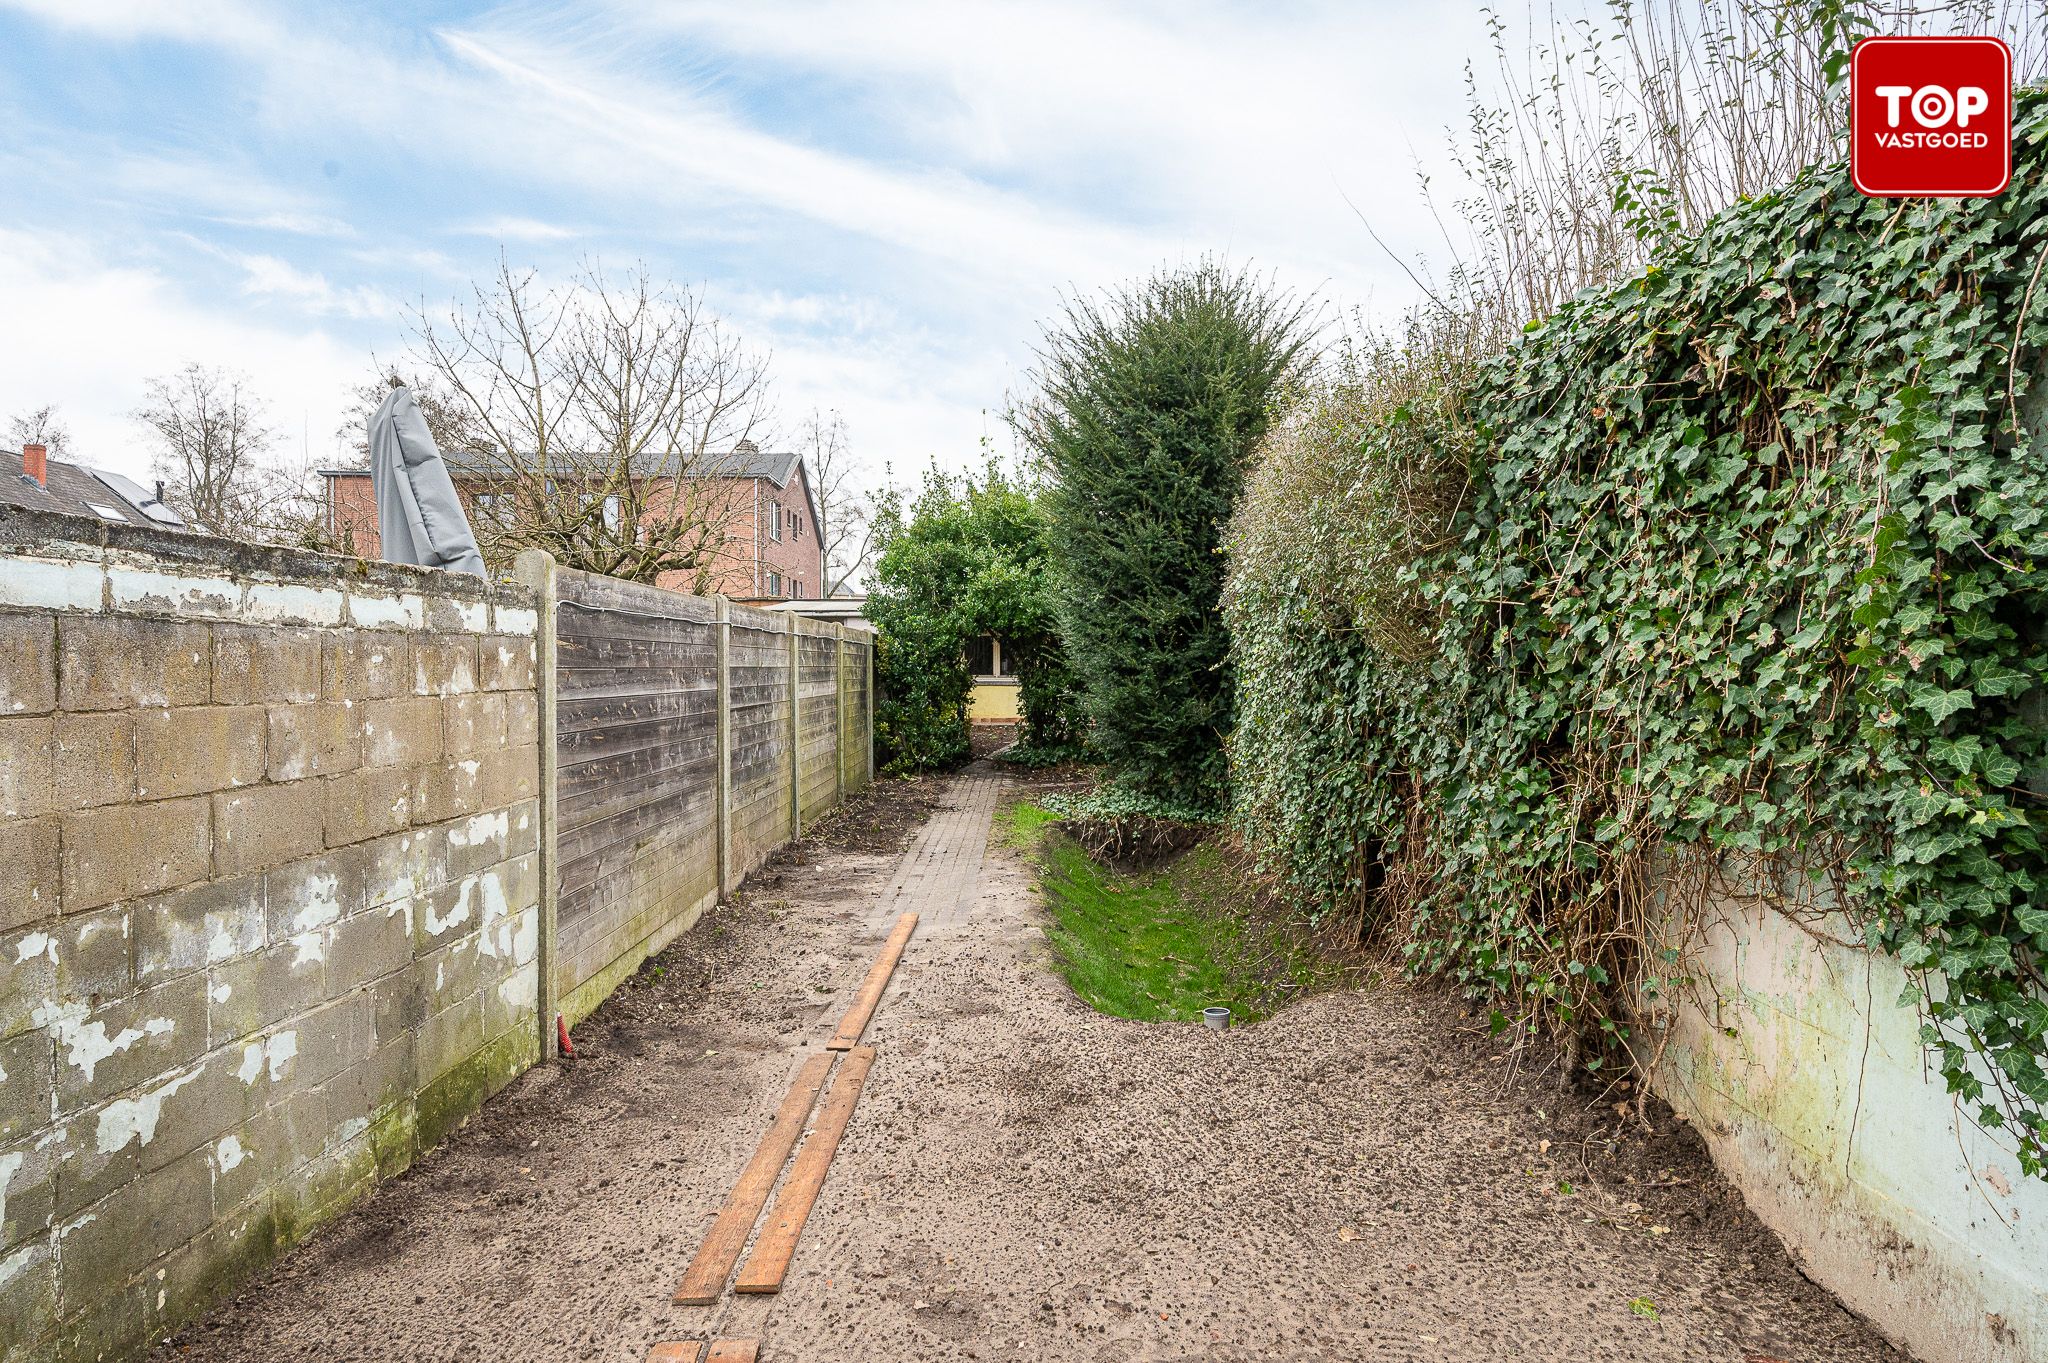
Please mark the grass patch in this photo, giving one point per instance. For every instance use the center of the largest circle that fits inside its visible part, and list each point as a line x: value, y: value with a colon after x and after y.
x: 1162, y: 945
x: 1023, y: 824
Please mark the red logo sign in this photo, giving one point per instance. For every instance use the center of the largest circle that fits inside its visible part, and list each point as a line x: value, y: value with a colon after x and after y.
x: 1930, y: 117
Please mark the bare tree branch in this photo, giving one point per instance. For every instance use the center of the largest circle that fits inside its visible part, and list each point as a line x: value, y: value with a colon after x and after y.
x: 210, y: 435
x: 847, y: 515
x: 594, y: 421
x: 39, y: 427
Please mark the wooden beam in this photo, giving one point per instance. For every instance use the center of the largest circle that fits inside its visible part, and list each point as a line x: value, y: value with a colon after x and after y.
x: 856, y: 1020
x: 734, y: 1351
x: 706, y: 1276
x: 675, y: 1351
x: 768, y: 1264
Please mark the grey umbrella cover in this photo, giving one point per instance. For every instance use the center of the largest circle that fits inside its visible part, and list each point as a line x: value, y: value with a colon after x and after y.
x: 419, y: 517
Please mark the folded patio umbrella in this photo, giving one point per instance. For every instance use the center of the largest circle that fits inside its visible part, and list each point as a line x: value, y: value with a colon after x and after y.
x: 419, y: 517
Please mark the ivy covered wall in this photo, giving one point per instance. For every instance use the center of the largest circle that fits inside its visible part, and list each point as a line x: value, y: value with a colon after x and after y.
x: 1743, y: 559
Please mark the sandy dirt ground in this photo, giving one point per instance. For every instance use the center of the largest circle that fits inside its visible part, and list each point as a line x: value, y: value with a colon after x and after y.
x: 1357, y: 1178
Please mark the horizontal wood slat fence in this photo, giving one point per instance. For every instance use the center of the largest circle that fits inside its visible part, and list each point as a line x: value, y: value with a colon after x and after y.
x: 689, y: 739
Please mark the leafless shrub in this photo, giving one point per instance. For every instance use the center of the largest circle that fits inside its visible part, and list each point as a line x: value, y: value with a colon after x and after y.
x: 1593, y: 139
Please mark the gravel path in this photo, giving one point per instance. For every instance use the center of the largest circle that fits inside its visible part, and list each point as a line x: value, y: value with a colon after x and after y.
x: 1026, y: 1179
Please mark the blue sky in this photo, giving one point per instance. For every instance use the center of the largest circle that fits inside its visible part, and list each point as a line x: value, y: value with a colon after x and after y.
x: 889, y: 197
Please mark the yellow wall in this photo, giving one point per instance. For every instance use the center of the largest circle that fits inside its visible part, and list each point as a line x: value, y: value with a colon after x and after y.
x: 994, y: 702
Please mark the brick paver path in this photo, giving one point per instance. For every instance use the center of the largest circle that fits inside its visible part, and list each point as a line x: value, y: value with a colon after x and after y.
x: 938, y: 877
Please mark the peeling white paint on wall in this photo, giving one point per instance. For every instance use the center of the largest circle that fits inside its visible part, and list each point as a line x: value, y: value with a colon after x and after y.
x: 227, y: 1153
x: 277, y: 1053
x: 52, y: 585
x: 288, y: 603
x: 8, y: 1164
x: 13, y: 1264
x: 480, y: 829
x: 436, y: 924
x: 88, y: 1042
x: 142, y: 589
x: 135, y: 1119
x: 521, y: 990
x: 311, y: 947
x: 491, y: 889
x: 33, y: 945
x: 318, y: 902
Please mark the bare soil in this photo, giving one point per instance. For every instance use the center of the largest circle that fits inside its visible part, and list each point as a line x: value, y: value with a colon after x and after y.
x: 1360, y: 1177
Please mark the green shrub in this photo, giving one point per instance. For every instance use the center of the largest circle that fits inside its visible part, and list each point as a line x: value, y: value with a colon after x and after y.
x: 1747, y: 555
x: 1150, y: 405
x: 965, y: 559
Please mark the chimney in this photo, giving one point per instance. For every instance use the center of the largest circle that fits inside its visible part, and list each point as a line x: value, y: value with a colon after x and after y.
x: 35, y: 462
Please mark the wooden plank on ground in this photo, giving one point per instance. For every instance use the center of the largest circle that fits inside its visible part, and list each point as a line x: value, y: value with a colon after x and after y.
x: 675, y: 1351
x: 769, y: 1262
x: 705, y: 1278
x: 856, y: 1020
x: 733, y: 1351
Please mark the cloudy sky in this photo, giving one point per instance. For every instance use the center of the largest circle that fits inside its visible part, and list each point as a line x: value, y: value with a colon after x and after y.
x: 890, y: 197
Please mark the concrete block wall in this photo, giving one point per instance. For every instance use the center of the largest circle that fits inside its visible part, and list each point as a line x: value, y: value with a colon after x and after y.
x: 269, y: 904
x: 1807, y: 1078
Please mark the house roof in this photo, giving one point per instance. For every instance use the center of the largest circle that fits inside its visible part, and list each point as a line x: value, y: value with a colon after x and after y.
x: 78, y: 490
x: 745, y: 460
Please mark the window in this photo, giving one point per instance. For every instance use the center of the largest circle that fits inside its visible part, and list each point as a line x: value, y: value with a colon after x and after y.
x: 775, y: 584
x: 494, y: 507
x: 796, y: 525
x: 986, y: 657
x: 775, y: 523
x: 613, y: 512
x: 107, y: 513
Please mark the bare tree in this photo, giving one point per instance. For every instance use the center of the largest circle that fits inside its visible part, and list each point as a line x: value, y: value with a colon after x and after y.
x: 211, y: 433
x: 594, y: 421
x: 39, y: 427
x: 447, y: 415
x: 847, y: 532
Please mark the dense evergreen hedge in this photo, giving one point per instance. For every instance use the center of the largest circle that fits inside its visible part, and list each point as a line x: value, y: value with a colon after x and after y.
x: 1150, y: 407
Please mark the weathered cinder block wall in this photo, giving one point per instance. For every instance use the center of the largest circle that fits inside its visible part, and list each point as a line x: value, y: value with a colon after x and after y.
x: 1807, y: 1078
x: 268, y: 904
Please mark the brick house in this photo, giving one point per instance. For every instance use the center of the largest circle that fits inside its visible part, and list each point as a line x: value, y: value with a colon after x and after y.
x: 771, y: 551
x: 35, y: 482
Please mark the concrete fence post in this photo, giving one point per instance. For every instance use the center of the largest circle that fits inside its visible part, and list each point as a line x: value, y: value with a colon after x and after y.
x: 842, y: 691
x: 868, y: 708
x: 722, y: 639
x: 796, y: 764
x: 536, y: 569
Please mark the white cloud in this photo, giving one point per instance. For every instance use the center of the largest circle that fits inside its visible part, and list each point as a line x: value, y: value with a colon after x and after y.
x: 265, y: 276
x: 891, y: 195
x: 91, y: 331
x: 520, y: 229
